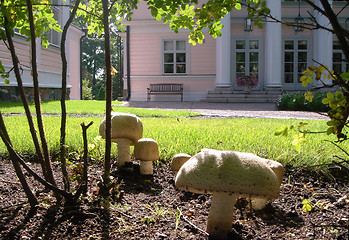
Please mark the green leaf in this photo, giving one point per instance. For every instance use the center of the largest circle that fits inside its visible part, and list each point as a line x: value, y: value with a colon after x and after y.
x: 282, y: 131
x: 7, y: 82
x: 298, y: 141
x: 238, y: 6
x: 345, y: 75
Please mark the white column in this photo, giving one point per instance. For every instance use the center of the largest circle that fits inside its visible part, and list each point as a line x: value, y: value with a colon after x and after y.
x: 223, y: 55
x: 273, y: 47
x: 323, y: 43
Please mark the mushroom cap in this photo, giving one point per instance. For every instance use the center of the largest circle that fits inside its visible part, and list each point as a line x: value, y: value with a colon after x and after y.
x: 213, y: 171
x: 123, y: 125
x: 277, y: 168
x: 178, y: 160
x: 146, y: 149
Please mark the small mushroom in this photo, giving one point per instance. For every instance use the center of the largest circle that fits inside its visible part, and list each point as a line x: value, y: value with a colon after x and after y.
x: 146, y: 151
x: 226, y: 175
x: 178, y: 160
x: 126, y: 130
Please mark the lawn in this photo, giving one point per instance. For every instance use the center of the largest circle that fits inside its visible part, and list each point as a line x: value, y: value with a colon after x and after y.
x: 176, y: 132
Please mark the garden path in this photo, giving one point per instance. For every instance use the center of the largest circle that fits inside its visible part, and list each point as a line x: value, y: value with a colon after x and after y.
x: 251, y: 110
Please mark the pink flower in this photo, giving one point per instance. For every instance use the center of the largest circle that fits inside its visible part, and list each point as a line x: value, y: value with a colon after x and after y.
x: 248, y: 80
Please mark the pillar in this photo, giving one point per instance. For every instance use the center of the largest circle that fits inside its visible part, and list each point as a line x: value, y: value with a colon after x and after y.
x: 273, y: 47
x: 223, y: 54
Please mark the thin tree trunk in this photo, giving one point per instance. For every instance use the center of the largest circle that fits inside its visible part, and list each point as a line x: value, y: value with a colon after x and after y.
x: 37, y: 96
x: 108, y: 92
x: 31, y: 197
x: 63, y: 97
x: 32, y: 129
x: 84, y: 175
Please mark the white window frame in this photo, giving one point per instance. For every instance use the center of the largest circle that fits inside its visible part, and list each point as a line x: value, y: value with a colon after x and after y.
x: 260, y: 51
x: 54, y: 38
x: 344, y: 66
x: 295, y: 85
x: 186, y: 51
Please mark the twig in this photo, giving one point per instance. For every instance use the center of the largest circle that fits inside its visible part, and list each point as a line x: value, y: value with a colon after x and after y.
x: 192, y: 224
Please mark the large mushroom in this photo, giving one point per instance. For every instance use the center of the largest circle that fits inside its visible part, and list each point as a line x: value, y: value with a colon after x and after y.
x: 226, y: 175
x: 278, y: 169
x: 146, y: 151
x: 126, y: 130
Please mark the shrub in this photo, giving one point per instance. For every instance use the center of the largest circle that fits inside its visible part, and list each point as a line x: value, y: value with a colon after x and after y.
x: 297, y: 102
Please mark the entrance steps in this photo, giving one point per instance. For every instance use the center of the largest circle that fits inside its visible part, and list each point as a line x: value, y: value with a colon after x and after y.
x: 228, y: 95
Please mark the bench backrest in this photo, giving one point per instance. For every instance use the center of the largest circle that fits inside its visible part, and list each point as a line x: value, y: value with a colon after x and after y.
x: 166, y: 87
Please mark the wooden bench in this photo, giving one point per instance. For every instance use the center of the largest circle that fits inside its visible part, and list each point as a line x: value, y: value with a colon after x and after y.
x: 165, y: 89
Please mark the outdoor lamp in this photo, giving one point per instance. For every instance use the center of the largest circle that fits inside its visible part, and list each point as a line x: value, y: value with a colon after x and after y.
x: 299, y: 21
x: 248, y: 25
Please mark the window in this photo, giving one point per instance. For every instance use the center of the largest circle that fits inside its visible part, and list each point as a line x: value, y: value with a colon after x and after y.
x: 247, y: 57
x: 295, y: 60
x: 175, y: 57
x: 339, y: 65
x: 53, y: 36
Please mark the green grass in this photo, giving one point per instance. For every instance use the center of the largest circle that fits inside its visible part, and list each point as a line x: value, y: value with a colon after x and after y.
x: 189, y: 135
x: 87, y: 107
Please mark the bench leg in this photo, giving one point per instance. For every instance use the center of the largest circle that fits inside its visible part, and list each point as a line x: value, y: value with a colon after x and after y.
x: 182, y: 97
x: 148, y: 98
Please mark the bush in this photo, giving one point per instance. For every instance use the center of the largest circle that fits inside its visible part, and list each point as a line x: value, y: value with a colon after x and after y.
x: 297, y: 102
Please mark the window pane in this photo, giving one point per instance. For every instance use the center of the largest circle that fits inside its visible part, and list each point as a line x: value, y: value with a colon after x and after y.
x: 180, y: 57
x: 180, y: 68
x: 289, y: 67
x: 240, y: 75
x: 253, y: 44
x: 289, y: 45
x: 168, y: 68
x: 168, y: 57
x: 288, y: 78
x: 302, y: 67
x: 336, y: 45
x: 240, y: 57
x: 337, y: 57
x: 240, y: 67
x: 240, y: 44
x: 253, y: 67
x: 168, y: 45
x: 254, y: 57
x: 180, y: 45
x: 337, y: 67
x: 302, y: 44
x: 288, y: 56
x: 302, y: 56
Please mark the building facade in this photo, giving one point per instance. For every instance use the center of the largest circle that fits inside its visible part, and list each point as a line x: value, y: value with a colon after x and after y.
x: 48, y: 62
x: 277, y: 54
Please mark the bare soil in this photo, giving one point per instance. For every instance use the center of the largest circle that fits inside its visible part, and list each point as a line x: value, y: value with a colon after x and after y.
x: 152, y: 208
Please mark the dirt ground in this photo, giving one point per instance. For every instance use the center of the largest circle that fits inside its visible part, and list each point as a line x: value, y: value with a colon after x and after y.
x: 152, y: 208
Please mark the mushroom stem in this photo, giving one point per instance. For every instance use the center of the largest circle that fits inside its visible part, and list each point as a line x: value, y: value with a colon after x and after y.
x: 123, y: 151
x: 146, y: 167
x: 221, y: 214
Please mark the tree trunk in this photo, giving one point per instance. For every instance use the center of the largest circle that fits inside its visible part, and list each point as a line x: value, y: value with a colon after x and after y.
x: 63, y: 97
x: 37, y: 97
x: 84, y: 175
x: 108, y: 93
x: 31, y: 197
x: 32, y: 129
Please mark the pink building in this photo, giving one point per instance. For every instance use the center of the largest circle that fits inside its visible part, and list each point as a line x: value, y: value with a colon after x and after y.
x: 277, y: 54
x: 49, y: 63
